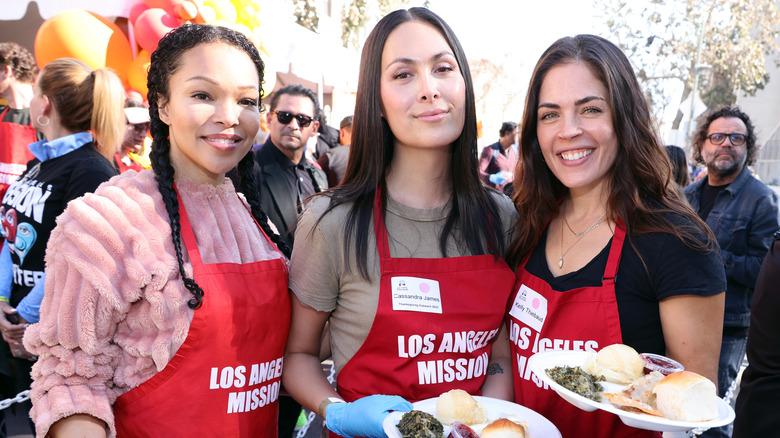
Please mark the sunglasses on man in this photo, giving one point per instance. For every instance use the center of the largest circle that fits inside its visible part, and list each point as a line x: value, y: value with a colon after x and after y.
x: 285, y: 117
x: 718, y: 138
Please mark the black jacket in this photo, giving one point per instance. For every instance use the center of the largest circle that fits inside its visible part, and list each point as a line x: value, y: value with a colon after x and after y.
x: 275, y: 196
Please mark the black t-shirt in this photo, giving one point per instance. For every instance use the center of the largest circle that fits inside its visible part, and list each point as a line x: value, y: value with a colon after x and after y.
x: 672, y: 269
x: 33, y: 202
x: 708, y: 195
x: 18, y: 116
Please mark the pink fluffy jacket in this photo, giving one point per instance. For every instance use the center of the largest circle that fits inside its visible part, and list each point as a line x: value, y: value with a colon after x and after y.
x: 115, y: 309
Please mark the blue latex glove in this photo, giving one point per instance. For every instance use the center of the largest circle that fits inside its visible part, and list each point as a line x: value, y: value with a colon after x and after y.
x: 498, y: 178
x: 364, y: 416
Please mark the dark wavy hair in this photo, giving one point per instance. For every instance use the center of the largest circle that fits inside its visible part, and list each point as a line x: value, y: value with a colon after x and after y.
x: 296, y: 90
x: 166, y: 60
x: 641, y: 188
x: 725, y: 111
x: 372, y: 146
x: 506, y: 127
x: 20, y: 60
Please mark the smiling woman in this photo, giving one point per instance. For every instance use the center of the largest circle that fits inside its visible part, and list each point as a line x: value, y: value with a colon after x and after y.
x: 169, y: 276
x: 597, y: 203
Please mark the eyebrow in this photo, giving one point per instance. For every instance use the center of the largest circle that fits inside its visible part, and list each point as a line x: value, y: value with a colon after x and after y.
x: 412, y: 61
x: 212, y: 81
x: 577, y: 102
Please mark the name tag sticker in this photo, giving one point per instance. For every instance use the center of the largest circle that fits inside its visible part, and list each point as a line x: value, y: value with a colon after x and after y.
x: 416, y: 294
x: 530, y: 307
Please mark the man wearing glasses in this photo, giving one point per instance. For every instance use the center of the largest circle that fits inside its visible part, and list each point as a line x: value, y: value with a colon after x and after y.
x: 743, y: 213
x: 286, y: 177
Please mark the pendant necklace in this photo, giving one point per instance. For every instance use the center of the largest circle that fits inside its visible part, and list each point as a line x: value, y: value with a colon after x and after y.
x: 579, y: 235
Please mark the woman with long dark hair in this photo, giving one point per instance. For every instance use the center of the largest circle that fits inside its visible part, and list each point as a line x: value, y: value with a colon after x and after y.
x: 405, y: 258
x: 166, y: 308
x: 606, y: 247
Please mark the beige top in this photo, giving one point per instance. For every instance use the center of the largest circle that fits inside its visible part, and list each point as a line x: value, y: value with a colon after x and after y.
x: 319, y: 276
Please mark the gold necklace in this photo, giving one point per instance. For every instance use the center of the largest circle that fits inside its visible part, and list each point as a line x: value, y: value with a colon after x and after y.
x: 579, y: 235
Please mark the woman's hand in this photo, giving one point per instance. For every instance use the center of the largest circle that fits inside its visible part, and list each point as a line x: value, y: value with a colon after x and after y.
x: 14, y: 332
x: 363, y: 417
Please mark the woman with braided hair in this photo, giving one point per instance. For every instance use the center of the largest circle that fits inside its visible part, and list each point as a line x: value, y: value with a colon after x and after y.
x: 166, y: 308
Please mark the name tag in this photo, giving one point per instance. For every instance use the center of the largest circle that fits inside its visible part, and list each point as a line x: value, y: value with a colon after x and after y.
x: 416, y: 294
x: 529, y: 307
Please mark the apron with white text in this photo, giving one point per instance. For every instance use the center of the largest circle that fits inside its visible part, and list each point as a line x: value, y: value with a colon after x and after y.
x: 585, y: 319
x: 225, y: 379
x: 434, y: 324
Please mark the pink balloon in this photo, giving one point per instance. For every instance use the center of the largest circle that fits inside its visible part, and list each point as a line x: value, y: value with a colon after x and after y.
x: 168, y: 5
x: 151, y: 25
x: 136, y: 10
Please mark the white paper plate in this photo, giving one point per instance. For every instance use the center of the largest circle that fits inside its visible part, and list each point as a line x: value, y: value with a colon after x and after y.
x: 538, y: 426
x: 549, y: 359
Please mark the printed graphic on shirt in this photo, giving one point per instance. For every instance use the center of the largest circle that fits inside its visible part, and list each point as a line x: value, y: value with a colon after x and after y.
x: 23, y: 213
x: 252, y: 388
x: 416, y: 294
x: 462, y: 361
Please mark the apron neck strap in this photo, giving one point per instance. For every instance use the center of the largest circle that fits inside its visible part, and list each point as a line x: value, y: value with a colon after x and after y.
x: 191, y: 245
x: 615, y: 251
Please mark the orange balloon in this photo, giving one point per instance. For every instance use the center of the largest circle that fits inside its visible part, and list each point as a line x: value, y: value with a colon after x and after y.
x: 136, y: 74
x: 87, y: 36
x: 151, y: 26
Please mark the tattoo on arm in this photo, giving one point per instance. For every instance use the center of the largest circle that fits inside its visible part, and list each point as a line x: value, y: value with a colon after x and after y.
x: 494, y: 368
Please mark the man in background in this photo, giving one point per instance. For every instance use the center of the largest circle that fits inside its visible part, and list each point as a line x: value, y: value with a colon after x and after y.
x: 743, y: 213
x: 334, y: 161
x: 17, y: 77
x: 137, y: 117
x: 497, y: 161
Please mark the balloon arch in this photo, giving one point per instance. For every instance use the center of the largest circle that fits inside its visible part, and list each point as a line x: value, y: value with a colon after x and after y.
x: 99, y: 42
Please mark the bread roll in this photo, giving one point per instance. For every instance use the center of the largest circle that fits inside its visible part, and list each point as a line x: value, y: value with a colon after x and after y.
x: 503, y: 428
x: 686, y: 396
x: 618, y: 363
x: 458, y: 405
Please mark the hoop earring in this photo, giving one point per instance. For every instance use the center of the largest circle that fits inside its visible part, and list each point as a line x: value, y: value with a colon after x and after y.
x: 38, y: 119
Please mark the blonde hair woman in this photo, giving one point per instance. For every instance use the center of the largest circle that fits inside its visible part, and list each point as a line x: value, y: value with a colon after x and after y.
x: 80, y: 113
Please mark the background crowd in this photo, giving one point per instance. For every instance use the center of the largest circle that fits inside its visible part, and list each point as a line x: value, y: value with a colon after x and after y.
x: 179, y: 242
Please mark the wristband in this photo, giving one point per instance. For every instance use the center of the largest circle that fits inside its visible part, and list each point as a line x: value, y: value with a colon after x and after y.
x: 2, y: 298
x: 327, y: 402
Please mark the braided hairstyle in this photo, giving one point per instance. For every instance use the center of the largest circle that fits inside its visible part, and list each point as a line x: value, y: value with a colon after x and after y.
x: 164, y: 63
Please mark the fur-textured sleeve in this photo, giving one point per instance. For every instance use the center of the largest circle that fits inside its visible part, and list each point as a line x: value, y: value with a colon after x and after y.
x: 108, y: 251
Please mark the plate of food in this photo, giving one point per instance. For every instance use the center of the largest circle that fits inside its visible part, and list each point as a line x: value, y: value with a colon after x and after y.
x: 482, y: 416
x: 619, y: 380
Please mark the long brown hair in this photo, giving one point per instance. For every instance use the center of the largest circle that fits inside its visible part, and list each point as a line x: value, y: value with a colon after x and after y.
x: 87, y: 100
x: 371, y: 153
x: 640, y: 185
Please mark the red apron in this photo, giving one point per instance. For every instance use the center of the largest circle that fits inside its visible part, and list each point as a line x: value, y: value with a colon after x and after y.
x: 134, y: 165
x: 224, y: 380
x: 14, y: 153
x: 580, y: 319
x: 445, y: 343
